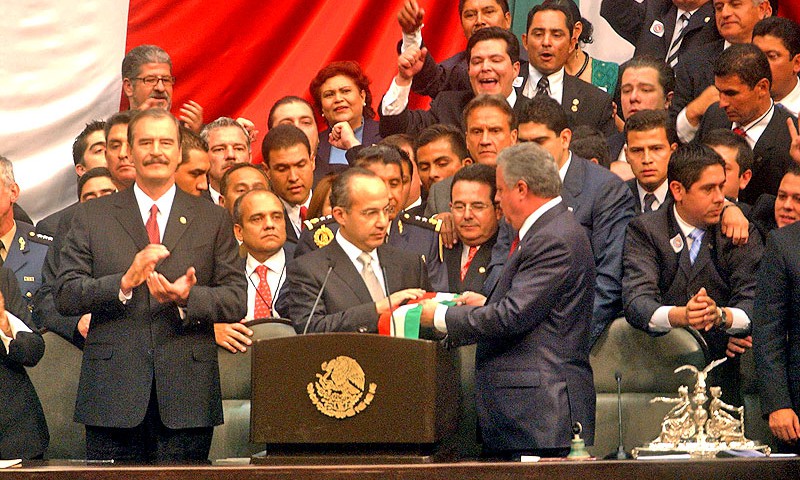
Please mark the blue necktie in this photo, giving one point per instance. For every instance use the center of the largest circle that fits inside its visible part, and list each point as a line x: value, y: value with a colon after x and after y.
x: 697, y: 241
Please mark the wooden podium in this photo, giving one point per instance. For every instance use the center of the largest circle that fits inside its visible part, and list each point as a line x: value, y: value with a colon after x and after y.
x: 352, y: 398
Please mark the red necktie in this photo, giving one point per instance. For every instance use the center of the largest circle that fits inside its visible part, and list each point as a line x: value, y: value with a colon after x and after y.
x: 470, y: 256
x: 514, y: 245
x: 303, y: 215
x: 740, y: 131
x: 263, y: 304
x: 152, y: 226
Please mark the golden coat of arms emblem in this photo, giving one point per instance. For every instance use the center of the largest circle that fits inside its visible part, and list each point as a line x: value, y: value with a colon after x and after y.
x: 340, y: 391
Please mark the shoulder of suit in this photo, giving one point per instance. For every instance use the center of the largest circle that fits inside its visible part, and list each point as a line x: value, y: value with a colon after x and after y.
x: 39, y: 238
x: 321, y: 230
x: 27, y: 233
x: 433, y: 224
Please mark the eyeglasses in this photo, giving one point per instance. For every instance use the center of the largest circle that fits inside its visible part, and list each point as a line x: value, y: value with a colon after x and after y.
x: 152, y: 81
x: 476, y: 207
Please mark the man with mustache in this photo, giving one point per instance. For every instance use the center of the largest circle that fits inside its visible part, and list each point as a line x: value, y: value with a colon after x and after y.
x: 228, y: 144
x: 147, y: 82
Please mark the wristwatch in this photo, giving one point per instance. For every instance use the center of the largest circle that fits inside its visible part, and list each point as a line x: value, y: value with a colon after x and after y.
x: 724, y: 317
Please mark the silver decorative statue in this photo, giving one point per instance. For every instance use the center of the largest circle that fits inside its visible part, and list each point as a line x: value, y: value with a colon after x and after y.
x: 688, y: 427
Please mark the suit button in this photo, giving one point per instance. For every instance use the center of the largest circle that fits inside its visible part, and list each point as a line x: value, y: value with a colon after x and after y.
x: 29, y: 294
x: 362, y: 329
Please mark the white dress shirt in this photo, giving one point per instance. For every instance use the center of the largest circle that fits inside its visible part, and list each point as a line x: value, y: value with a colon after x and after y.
x: 791, y: 102
x: 660, y: 193
x: 556, y: 84
x: 293, y: 213
x: 276, y: 275
x: 353, y: 252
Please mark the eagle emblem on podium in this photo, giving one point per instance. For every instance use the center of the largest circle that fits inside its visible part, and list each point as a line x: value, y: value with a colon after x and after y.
x: 341, y: 390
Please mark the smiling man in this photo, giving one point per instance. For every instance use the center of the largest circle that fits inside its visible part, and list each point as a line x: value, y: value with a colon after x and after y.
x: 680, y: 270
x: 493, y: 67
x: 149, y: 388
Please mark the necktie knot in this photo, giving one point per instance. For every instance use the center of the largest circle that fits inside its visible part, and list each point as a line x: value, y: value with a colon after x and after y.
x: 262, y: 270
x: 740, y: 131
x: 303, y: 213
x: 649, y: 199
x: 365, y: 259
x: 153, y: 233
x: 543, y: 87
x: 370, y: 279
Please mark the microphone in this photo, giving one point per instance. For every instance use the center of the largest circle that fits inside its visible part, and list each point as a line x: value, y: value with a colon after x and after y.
x: 620, y: 454
x: 319, y: 295
x: 388, y: 297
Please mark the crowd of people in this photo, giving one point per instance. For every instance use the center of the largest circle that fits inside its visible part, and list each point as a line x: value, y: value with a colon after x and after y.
x: 555, y: 192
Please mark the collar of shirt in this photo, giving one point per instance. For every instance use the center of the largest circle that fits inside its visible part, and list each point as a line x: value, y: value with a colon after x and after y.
x: 556, y: 83
x: 660, y: 193
x: 686, y: 227
x: 214, y: 194
x: 164, y: 204
x: 756, y: 128
x: 528, y: 223
x: 512, y: 99
x: 8, y: 238
x: 275, y: 263
x: 293, y: 212
x: 562, y: 172
x: 791, y: 102
x: 353, y: 252
x: 726, y: 45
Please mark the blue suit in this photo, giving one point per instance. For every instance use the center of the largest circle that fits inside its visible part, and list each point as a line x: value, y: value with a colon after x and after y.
x: 603, y: 205
x: 532, y: 373
x: 26, y: 255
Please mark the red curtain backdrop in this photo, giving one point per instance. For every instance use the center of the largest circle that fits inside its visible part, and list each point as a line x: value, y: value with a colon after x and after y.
x: 237, y: 57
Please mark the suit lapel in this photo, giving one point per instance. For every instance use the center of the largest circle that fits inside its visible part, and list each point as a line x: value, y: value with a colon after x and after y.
x: 684, y: 264
x: 127, y: 213
x: 180, y: 217
x: 573, y: 180
x: 393, y: 272
x: 291, y: 236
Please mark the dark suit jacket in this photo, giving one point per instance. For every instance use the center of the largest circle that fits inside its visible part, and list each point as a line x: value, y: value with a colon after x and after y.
x: 447, y: 108
x: 130, y: 346
x: 322, y: 166
x: 25, y: 258
x: 439, y: 197
x: 776, y: 322
x: 634, y: 21
x: 657, y: 275
x: 616, y: 143
x: 603, y: 205
x: 345, y: 305
x: 44, y: 307
x: 532, y: 373
x: 763, y: 214
x: 24, y: 431
x: 583, y: 103
x: 637, y: 203
x: 693, y: 74
x: 771, y: 152
x: 477, y: 271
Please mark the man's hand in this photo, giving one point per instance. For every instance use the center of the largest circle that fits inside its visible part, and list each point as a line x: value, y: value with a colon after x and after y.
x: 5, y: 325
x: 192, y: 116
x: 83, y: 324
x: 472, y: 299
x: 410, y: 17
x: 250, y: 127
x: 178, y: 291
x: 397, y: 298
x: 144, y: 263
x: 697, y: 107
x: 794, y: 147
x: 735, y: 225
x: 409, y: 63
x: 233, y: 337
x: 701, y: 311
x: 737, y: 346
x: 448, y: 229
x: 342, y: 136
x: 428, y: 310
x: 784, y: 425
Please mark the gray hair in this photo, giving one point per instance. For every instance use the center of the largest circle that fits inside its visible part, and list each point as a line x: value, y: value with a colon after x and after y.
x: 223, y: 122
x: 141, y: 55
x: 6, y: 171
x: 533, y: 165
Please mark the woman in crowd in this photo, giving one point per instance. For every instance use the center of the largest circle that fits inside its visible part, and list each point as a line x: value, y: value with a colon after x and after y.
x: 341, y: 94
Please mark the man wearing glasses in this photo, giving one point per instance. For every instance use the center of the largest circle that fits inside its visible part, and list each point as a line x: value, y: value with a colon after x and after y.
x: 147, y: 81
x: 477, y: 221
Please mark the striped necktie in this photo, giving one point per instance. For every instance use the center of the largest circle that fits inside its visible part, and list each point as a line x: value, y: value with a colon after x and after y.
x: 672, y: 55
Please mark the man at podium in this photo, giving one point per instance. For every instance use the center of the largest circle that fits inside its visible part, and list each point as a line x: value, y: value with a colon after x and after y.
x: 355, y: 272
x: 532, y: 373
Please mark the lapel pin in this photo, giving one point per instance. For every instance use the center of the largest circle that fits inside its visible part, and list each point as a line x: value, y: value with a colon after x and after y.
x: 575, y: 101
x: 482, y: 270
x: 657, y: 28
x: 706, y: 19
x: 182, y: 220
x: 677, y: 243
x: 574, y: 108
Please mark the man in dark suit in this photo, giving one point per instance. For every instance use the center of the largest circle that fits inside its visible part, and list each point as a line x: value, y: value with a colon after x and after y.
x: 440, y: 151
x: 600, y: 201
x: 682, y: 271
x: 486, y: 76
x: 548, y: 40
x: 532, y: 373
x: 777, y: 211
x: 260, y: 228
x: 775, y: 341
x: 694, y: 76
x: 149, y: 388
x: 238, y: 180
x: 738, y: 157
x: 664, y: 29
x: 649, y: 145
x: 23, y: 430
x: 476, y: 219
x: 365, y: 276
x: 743, y: 78
x: 290, y: 170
